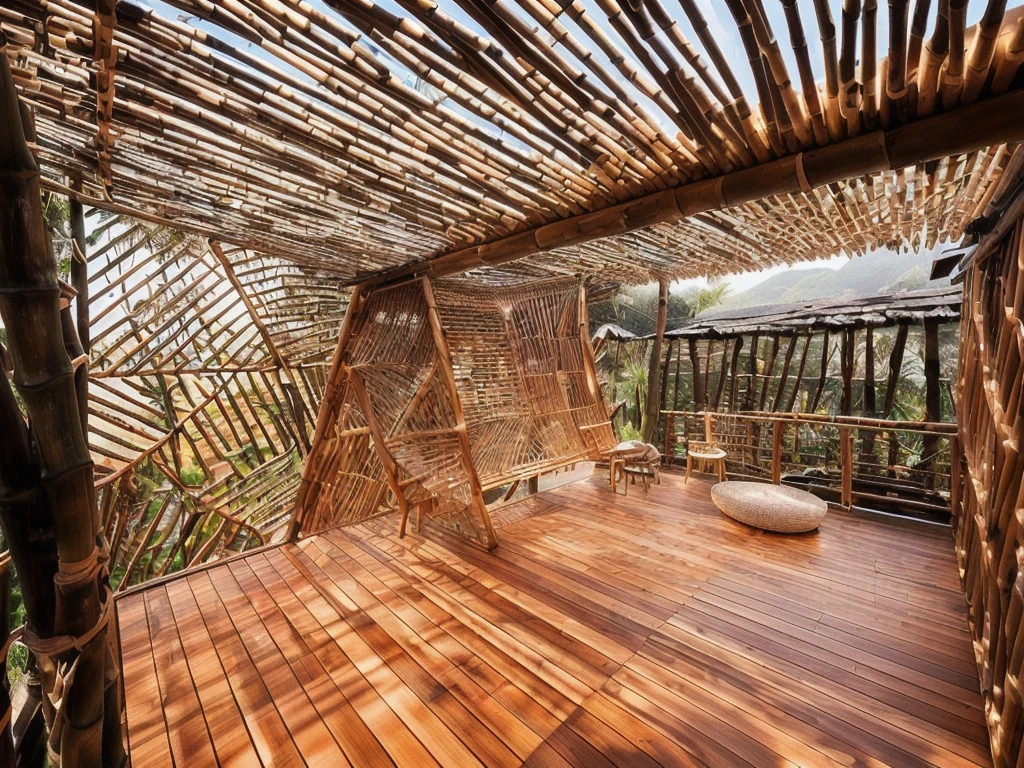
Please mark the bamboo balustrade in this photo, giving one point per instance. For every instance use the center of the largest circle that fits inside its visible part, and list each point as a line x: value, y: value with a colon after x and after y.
x: 844, y: 459
x: 989, y: 527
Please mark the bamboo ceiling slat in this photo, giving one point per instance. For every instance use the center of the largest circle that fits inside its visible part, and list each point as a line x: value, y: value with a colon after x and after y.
x: 360, y: 141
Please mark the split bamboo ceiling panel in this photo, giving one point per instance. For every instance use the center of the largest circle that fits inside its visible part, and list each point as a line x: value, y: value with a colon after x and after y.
x: 362, y: 141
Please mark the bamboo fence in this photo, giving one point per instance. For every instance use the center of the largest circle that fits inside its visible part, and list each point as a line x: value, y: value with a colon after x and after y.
x: 439, y: 393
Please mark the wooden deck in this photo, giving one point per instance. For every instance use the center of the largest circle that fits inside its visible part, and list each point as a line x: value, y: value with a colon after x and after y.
x: 604, y: 630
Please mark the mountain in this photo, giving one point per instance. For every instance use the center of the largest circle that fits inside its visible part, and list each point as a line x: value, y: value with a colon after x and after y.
x: 881, y: 271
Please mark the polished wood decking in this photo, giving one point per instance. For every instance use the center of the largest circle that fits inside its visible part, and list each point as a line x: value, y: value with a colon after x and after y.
x: 605, y: 630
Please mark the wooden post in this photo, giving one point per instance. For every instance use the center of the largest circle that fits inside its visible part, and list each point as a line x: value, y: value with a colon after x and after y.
x: 846, y: 463
x: 650, y: 418
x: 826, y: 355
x: 441, y: 344
x: 777, y: 435
x: 847, y: 358
x: 787, y: 361
x: 737, y: 347
x: 79, y: 631
x: 933, y: 393
x: 867, y: 443
x: 699, y: 401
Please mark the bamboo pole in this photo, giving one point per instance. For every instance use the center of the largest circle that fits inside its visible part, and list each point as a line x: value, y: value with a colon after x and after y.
x: 84, y: 732
x: 967, y: 129
x: 447, y: 369
x: 305, y: 499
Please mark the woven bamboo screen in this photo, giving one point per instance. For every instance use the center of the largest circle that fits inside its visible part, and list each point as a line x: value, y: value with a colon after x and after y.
x: 990, y: 526
x: 206, y: 372
x: 431, y: 401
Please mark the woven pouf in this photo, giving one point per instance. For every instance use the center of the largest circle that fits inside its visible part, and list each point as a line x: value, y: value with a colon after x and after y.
x: 771, y: 507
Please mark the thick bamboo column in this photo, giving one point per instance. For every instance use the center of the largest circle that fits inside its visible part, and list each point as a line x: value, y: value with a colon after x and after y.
x: 86, y: 730
x: 895, y: 365
x: 448, y: 371
x: 650, y: 418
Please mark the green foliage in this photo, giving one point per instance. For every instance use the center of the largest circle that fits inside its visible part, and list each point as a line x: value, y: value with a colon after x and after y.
x: 628, y: 432
x: 193, y: 475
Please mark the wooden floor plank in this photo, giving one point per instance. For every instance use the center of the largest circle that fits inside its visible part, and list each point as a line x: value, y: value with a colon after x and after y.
x: 605, y: 630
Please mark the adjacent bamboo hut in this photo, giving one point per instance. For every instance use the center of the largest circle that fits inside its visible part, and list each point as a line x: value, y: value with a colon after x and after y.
x: 787, y: 383
x: 329, y: 276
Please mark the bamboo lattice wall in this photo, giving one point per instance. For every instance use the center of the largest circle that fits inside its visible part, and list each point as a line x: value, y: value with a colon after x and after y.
x: 990, y: 526
x: 206, y: 372
x: 429, y: 403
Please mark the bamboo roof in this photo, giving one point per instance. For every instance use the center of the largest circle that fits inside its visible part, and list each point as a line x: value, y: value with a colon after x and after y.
x: 522, y: 138
x: 942, y: 304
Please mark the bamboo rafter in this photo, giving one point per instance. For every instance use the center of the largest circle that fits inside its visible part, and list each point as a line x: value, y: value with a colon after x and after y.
x: 357, y: 140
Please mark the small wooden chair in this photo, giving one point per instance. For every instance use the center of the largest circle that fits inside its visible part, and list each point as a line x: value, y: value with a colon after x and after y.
x: 639, y: 461
x: 705, y: 452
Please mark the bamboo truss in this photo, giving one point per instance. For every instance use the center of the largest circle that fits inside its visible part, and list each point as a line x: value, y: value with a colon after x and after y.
x: 357, y: 140
x: 439, y: 392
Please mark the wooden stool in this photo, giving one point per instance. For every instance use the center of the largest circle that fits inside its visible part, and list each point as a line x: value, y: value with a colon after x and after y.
x: 705, y: 455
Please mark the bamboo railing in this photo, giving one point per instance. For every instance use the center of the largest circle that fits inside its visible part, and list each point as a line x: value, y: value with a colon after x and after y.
x: 877, y: 463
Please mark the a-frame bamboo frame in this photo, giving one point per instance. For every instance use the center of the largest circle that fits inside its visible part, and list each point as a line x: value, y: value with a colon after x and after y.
x: 393, y: 424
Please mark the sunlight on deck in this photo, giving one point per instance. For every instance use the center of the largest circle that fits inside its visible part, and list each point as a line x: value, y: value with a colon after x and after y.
x: 604, y: 630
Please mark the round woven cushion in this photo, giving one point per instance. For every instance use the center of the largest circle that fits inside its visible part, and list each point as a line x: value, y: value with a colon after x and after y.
x: 771, y: 507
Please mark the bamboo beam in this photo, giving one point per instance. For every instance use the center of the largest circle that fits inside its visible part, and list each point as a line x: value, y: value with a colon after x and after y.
x: 846, y: 462
x: 966, y: 129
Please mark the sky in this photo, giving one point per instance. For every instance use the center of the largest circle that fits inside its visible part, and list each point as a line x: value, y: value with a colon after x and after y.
x: 744, y: 281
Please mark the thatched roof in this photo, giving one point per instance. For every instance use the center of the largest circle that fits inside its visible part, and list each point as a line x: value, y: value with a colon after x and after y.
x: 942, y: 304
x: 366, y: 143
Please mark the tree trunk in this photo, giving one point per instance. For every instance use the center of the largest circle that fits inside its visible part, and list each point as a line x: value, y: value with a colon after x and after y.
x: 650, y: 417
